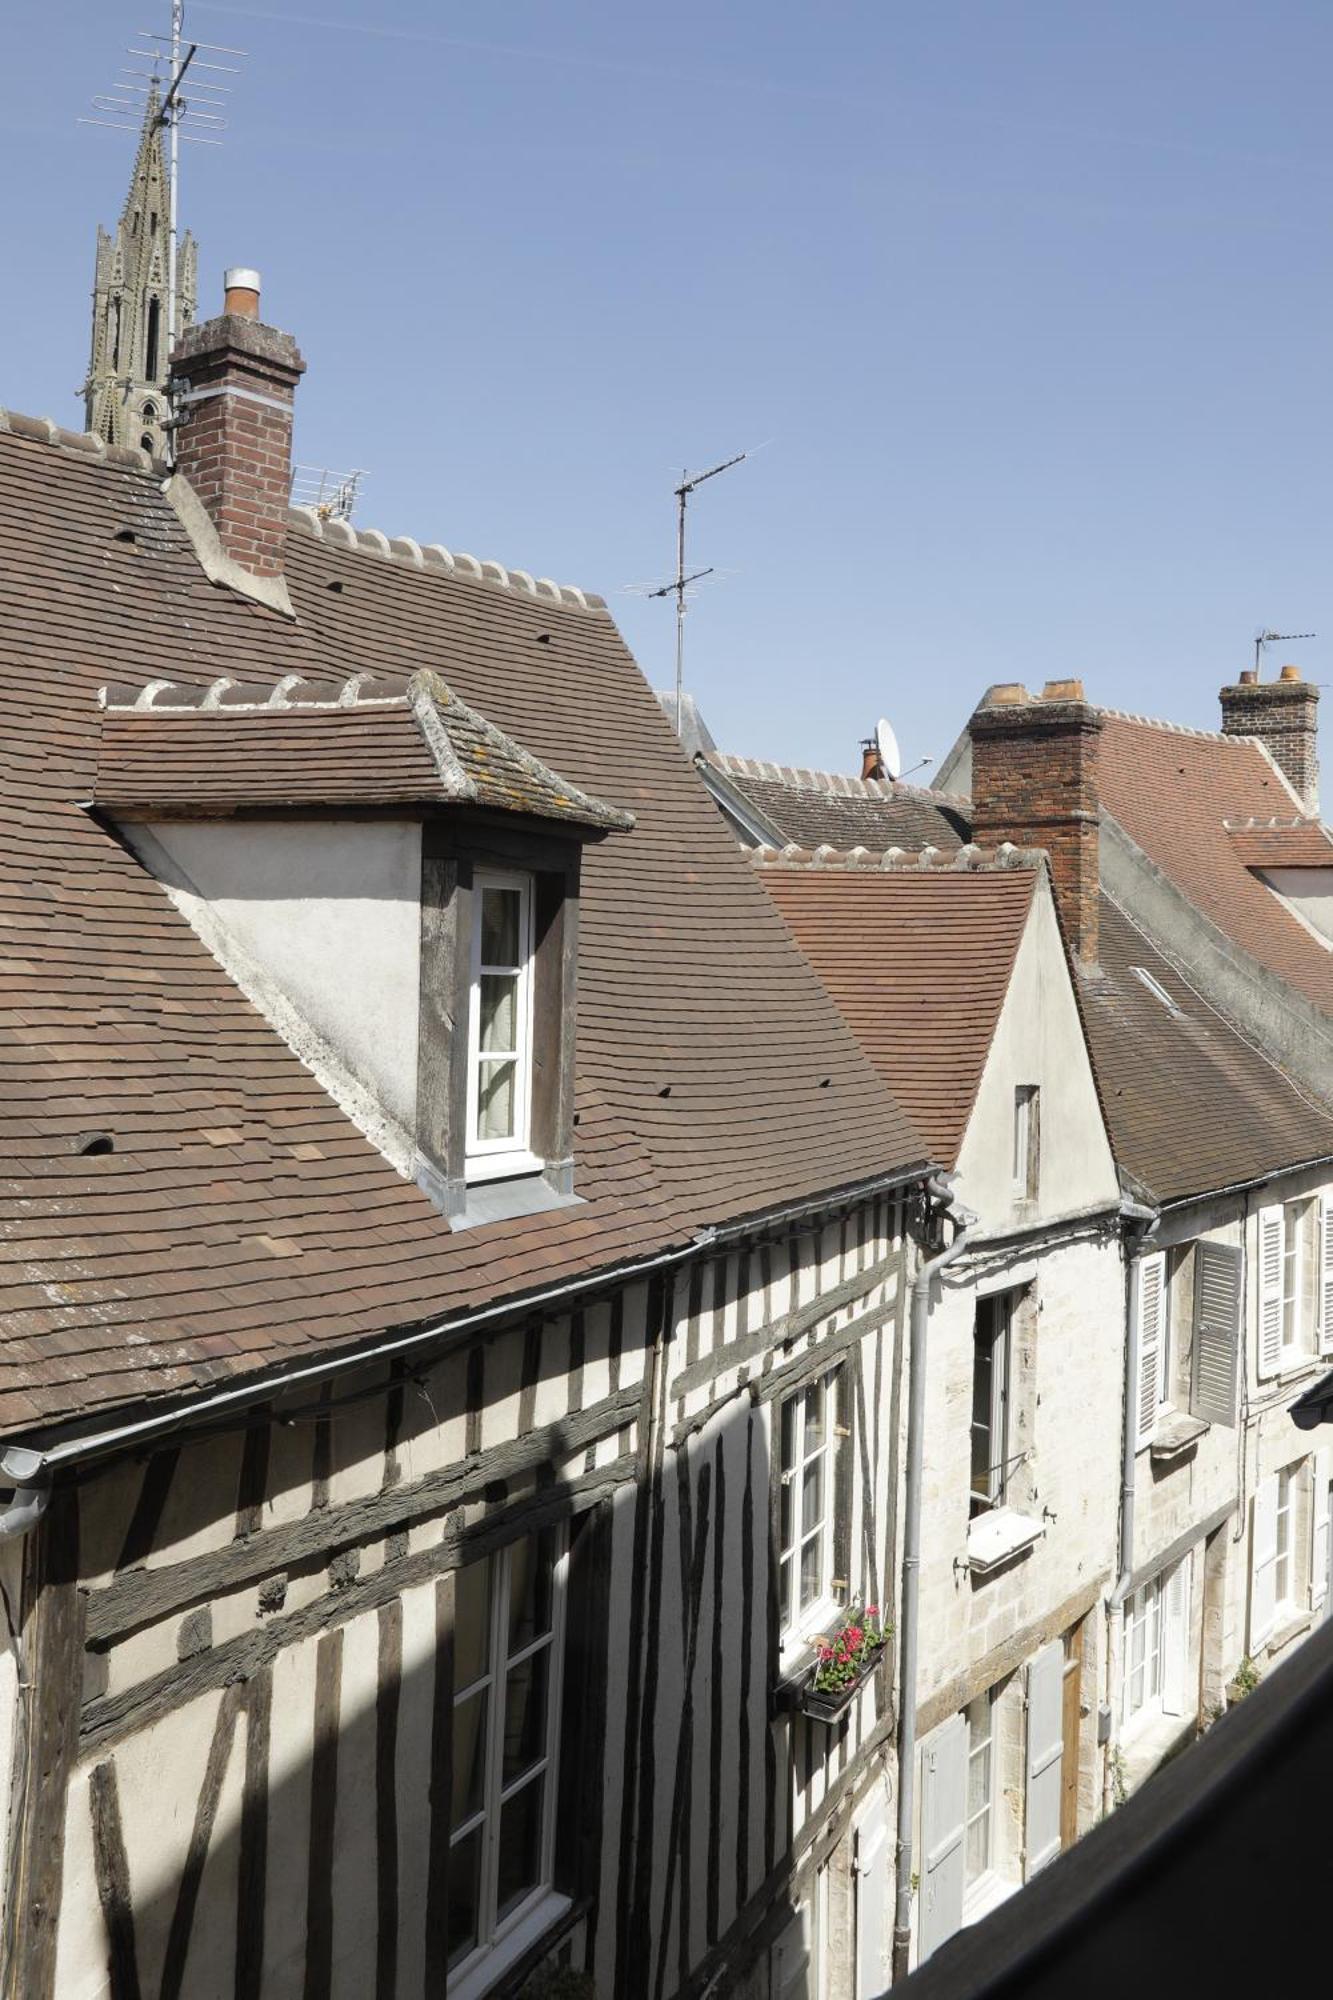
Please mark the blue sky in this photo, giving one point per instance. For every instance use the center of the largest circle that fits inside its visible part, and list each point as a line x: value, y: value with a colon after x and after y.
x: 1028, y: 304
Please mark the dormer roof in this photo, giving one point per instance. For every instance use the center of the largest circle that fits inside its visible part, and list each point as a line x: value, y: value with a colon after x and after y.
x: 168, y: 750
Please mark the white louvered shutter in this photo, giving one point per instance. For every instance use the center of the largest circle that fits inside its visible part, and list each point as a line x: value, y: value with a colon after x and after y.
x: 1263, y: 1563
x: 1046, y: 1676
x: 874, y: 1900
x: 1326, y: 1275
x: 1218, y: 1298
x: 1175, y: 1639
x: 1270, y: 1291
x: 943, y: 1821
x: 1319, y: 1538
x: 1150, y: 1305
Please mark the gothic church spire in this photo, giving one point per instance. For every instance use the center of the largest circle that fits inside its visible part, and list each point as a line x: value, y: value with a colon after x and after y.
x: 125, y: 394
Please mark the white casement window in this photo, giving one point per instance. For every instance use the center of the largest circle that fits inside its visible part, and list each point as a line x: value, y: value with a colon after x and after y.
x: 1281, y: 1539
x: 1143, y: 1649
x: 1027, y: 1141
x: 811, y: 1429
x: 1326, y: 1275
x: 500, y: 1027
x: 991, y: 1361
x: 1150, y: 1322
x: 979, y: 1850
x: 508, y: 1645
x: 1321, y: 1550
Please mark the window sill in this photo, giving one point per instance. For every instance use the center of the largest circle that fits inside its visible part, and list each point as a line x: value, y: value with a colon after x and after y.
x: 1000, y: 1537
x: 1292, y: 1624
x: 796, y: 1655
x: 526, y: 1931
x: 501, y: 1166
x: 1177, y: 1433
x: 986, y: 1895
x: 1148, y: 1739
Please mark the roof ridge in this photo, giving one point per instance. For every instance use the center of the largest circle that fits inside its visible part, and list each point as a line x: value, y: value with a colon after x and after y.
x: 433, y: 555
x: 81, y: 444
x: 1274, y: 824
x: 838, y: 784
x: 1175, y: 728
x: 230, y: 695
x: 370, y: 541
x: 967, y: 860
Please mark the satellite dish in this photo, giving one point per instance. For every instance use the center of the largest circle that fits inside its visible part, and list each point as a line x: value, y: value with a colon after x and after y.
x: 886, y: 747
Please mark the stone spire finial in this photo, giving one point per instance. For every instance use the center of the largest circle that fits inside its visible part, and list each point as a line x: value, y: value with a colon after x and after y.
x: 125, y: 395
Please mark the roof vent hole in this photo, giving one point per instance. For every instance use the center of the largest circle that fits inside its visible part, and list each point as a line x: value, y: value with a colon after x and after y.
x: 336, y: 584
x: 94, y: 1142
x: 126, y: 535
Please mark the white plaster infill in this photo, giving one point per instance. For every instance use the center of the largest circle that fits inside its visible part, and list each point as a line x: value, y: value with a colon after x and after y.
x: 1000, y: 1537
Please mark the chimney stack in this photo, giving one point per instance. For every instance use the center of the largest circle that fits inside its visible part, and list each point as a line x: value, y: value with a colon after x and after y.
x: 1284, y: 715
x: 1034, y: 782
x: 233, y: 381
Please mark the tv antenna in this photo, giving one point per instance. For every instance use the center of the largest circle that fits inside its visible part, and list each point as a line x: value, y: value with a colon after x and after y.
x: 198, y: 118
x: 1262, y: 639
x: 331, y: 494
x: 688, y: 483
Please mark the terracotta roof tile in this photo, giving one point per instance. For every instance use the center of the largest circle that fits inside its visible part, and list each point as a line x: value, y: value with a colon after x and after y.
x: 124, y: 1276
x: 918, y: 960
x: 827, y: 807
x: 1298, y: 843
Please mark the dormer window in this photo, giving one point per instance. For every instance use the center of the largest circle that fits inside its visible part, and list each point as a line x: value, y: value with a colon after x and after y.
x: 500, y: 1028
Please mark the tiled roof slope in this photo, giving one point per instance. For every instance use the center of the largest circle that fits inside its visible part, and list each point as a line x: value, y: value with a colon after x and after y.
x: 1173, y: 791
x: 818, y: 808
x: 918, y: 959
x: 241, y: 1221
x: 238, y: 747
x: 1191, y: 1106
x: 1296, y: 843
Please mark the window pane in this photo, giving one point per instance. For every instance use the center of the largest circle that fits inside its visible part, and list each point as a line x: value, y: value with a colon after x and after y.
x: 499, y: 1012
x: 789, y: 1409
x: 464, y: 1907
x: 981, y: 1407
x: 499, y: 926
x: 812, y: 1570
x: 784, y: 1590
x: 472, y: 1624
x: 531, y: 1577
x: 469, y: 1756
x: 525, y: 1714
x: 495, y: 1100
x: 812, y: 1494
x: 785, y: 1527
x: 978, y: 1847
x: 520, y: 1845
x: 814, y: 1416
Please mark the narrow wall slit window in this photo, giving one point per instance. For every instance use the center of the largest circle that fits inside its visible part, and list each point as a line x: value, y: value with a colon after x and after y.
x: 508, y: 1639
x: 990, y: 1402
x: 810, y: 1424
x: 500, y: 1027
x: 1027, y: 1141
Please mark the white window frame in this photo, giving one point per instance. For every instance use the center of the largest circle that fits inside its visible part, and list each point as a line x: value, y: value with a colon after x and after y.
x: 492, y: 1159
x: 1285, y: 1594
x: 977, y: 1887
x: 1293, y: 1279
x: 1144, y: 1610
x: 1027, y: 1131
x: 1004, y: 1304
x: 800, y: 1622
x: 501, y: 1940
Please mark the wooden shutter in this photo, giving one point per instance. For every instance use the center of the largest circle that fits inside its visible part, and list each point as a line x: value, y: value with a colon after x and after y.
x: 1263, y: 1563
x: 1150, y: 1301
x: 1218, y: 1297
x: 1319, y: 1539
x: 1325, y: 1307
x: 1046, y: 1673
x: 1175, y: 1638
x: 943, y: 1821
x: 1270, y: 1291
x: 874, y: 1899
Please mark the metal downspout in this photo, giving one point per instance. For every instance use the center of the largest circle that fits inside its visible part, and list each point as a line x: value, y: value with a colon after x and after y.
x: 965, y: 1223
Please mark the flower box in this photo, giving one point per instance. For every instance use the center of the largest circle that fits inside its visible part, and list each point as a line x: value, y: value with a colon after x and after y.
x: 831, y: 1704
x: 844, y: 1662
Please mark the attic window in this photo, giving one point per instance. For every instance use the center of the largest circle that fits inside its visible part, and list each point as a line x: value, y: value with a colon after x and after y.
x: 1158, y: 991
x: 500, y: 1027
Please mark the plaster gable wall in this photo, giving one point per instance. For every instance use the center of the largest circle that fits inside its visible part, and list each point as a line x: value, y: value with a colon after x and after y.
x: 329, y: 912
x: 1308, y: 894
x: 1038, y: 1040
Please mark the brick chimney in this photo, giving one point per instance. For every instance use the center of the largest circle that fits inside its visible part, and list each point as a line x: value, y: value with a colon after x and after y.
x: 1034, y: 782
x: 233, y: 379
x: 1284, y: 715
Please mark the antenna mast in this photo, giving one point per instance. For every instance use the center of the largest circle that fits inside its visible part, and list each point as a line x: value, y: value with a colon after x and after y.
x: 1265, y: 638
x: 198, y: 119
x: 687, y: 485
